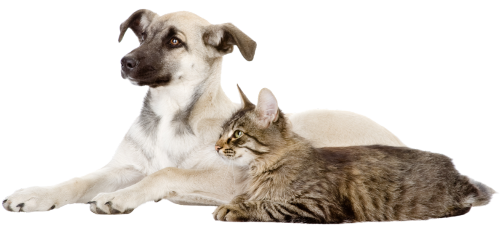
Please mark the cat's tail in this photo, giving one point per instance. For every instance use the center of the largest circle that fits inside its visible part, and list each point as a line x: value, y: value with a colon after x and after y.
x: 484, y: 195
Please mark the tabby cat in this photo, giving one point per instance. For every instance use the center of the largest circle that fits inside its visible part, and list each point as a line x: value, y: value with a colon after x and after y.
x: 291, y: 181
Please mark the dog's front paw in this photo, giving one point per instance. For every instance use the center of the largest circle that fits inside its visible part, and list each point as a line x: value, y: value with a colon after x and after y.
x: 230, y: 213
x: 113, y: 203
x: 34, y: 199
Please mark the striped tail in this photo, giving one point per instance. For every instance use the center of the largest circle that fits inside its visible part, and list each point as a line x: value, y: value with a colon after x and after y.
x: 485, y: 193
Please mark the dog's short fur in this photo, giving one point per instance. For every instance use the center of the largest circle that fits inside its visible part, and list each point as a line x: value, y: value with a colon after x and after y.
x: 168, y: 152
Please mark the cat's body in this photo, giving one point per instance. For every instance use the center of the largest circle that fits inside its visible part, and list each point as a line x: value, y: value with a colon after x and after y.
x: 291, y: 181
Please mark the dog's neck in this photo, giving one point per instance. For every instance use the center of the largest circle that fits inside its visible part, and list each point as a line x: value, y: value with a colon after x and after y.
x: 191, y: 98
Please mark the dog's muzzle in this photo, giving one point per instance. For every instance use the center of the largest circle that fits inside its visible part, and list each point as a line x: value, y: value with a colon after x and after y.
x: 128, y: 64
x: 142, y: 75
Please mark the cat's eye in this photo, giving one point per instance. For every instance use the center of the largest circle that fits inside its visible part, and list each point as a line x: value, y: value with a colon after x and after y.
x: 238, y: 134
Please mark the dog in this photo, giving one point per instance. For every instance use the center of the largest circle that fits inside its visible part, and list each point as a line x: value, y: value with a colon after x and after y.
x: 168, y: 152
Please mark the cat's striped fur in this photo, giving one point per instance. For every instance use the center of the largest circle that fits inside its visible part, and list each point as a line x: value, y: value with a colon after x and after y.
x: 291, y: 181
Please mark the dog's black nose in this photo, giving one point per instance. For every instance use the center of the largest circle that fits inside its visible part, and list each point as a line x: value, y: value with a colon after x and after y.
x: 128, y: 63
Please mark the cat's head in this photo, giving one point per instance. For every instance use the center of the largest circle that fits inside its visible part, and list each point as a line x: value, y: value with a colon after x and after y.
x: 253, y: 131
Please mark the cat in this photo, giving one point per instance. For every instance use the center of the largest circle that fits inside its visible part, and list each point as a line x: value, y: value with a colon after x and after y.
x: 291, y: 181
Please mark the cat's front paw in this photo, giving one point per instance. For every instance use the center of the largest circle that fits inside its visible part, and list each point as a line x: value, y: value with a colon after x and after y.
x: 230, y: 213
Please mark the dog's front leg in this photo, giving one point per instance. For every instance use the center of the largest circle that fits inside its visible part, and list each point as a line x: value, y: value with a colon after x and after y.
x: 76, y: 190
x: 197, y: 186
x: 119, y: 173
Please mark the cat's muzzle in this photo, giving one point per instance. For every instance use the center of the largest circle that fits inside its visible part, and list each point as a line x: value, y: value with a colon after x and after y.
x: 229, y: 153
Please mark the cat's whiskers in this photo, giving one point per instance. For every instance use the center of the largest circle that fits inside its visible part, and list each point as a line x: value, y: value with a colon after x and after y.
x: 231, y: 159
x: 227, y: 170
x: 234, y: 177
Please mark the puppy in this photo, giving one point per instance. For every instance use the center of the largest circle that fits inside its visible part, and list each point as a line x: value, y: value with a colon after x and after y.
x: 168, y: 151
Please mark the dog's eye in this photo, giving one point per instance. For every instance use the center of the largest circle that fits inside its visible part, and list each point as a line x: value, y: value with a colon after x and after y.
x: 174, y: 41
x: 238, y: 134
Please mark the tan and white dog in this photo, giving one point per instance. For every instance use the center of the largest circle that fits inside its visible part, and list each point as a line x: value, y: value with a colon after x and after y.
x: 169, y: 150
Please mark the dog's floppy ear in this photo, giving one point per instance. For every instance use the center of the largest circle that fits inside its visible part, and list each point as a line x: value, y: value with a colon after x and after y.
x: 244, y: 100
x: 223, y: 36
x: 267, y: 108
x: 138, y: 22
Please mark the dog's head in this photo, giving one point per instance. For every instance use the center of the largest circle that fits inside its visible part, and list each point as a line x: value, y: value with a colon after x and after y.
x: 177, y: 45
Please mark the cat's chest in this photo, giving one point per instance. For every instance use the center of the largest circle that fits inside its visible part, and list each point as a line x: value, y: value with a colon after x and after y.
x: 273, y: 188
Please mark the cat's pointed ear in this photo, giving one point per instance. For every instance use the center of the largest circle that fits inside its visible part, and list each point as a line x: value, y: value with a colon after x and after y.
x: 244, y: 100
x: 267, y: 108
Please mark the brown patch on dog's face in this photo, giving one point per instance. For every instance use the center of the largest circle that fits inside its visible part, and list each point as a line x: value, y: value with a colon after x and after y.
x: 153, y: 63
x: 176, y: 45
x: 164, y: 49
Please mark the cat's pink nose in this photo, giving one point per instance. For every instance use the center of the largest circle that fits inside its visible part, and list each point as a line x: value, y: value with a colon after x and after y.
x: 217, y: 148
